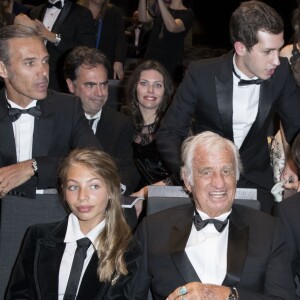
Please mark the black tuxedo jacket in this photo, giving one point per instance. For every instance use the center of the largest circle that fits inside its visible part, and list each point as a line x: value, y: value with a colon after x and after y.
x: 76, y: 26
x: 257, y: 260
x: 288, y: 210
x: 36, y: 272
x: 115, y: 133
x: 61, y: 128
x: 206, y: 94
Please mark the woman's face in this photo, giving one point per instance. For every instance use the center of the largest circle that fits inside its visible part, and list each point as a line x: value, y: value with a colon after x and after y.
x: 150, y: 89
x: 86, y: 195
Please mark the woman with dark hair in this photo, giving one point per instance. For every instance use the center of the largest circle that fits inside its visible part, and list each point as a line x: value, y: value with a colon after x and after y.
x: 110, y: 34
x: 5, y: 17
x: 149, y: 91
x: 90, y: 187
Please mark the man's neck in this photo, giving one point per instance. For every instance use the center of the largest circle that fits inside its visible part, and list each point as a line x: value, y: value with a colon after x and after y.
x: 21, y: 101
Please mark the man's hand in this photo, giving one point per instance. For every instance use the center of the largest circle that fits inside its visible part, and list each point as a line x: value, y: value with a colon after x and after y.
x: 289, y: 176
x: 44, y: 32
x: 118, y: 70
x: 200, y: 291
x: 14, y: 175
x: 24, y: 20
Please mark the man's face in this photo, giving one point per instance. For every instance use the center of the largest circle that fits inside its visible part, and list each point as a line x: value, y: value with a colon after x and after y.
x: 91, y: 86
x: 214, y: 180
x: 263, y: 58
x: 27, y: 74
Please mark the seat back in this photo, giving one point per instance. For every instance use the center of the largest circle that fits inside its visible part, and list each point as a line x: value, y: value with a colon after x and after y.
x: 17, y: 213
x: 164, y: 197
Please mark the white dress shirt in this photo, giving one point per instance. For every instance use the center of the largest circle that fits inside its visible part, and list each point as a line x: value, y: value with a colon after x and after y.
x: 207, y: 251
x: 245, y: 106
x: 23, y: 132
x: 73, y: 234
x: 51, y: 15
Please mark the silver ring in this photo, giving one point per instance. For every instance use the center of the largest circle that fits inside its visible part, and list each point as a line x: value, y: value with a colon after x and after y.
x: 182, y: 291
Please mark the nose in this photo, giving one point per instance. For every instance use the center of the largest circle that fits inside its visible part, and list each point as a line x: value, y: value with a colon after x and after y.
x: 218, y: 180
x: 99, y: 90
x: 275, y: 59
x: 82, y: 194
x: 150, y: 89
x: 44, y: 69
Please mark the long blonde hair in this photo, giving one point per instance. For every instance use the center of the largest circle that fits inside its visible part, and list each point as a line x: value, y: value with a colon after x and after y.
x: 114, y: 240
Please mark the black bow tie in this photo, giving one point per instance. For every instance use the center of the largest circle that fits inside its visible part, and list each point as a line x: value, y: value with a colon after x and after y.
x: 200, y: 224
x: 15, y: 113
x: 57, y: 4
x: 244, y: 82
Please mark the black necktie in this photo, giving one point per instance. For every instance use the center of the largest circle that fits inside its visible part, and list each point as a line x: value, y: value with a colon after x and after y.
x: 200, y: 224
x: 79, y: 257
x: 56, y: 4
x: 15, y: 113
x: 244, y: 82
x: 91, y: 122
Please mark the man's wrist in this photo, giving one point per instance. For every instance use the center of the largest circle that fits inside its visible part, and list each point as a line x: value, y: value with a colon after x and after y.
x: 57, y: 39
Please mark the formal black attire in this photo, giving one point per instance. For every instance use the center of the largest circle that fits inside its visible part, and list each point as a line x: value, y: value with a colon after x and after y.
x: 205, y: 95
x: 257, y: 256
x: 288, y: 210
x: 168, y: 47
x: 76, y: 27
x: 115, y: 132
x: 61, y: 128
x: 112, y: 41
x: 35, y: 275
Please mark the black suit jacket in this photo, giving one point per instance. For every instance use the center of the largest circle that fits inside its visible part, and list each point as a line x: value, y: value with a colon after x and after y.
x: 288, y: 210
x: 35, y: 275
x: 115, y: 133
x: 206, y: 94
x: 257, y: 261
x: 76, y: 26
x: 61, y: 128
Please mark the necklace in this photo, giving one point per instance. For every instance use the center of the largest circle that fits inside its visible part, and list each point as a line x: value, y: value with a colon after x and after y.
x: 161, y: 34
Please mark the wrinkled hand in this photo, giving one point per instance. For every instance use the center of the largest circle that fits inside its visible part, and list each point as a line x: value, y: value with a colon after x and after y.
x: 44, y: 32
x: 24, y: 20
x: 118, y: 70
x: 14, y: 175
x: 200, y: 291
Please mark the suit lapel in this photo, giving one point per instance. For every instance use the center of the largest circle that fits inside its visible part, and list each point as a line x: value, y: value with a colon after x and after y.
x: 237, y: 249
x: 224, y: 93
x: 8, y: 146
x: 49, y: 254
x: 62, y: 16
x: 43, y: 128
x: 179, y: 236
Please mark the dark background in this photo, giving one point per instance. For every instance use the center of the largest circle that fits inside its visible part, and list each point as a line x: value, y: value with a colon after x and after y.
x: 212, y: 18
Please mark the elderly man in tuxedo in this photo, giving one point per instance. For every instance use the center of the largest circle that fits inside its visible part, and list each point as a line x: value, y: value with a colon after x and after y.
x: 212, y: 248
x: 236, y: 96
x: 86, y: 72
x: 37, y: 126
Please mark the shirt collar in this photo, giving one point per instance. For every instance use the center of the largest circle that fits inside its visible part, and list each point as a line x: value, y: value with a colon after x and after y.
x: 74, y: 233
x: 222, y: 217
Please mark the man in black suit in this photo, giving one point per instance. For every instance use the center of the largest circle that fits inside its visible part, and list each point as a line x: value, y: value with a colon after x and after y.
x: 86, y: 73
x: 212, y: 248
x: 288, y: 210
x: 37, y: 126
x: 236, y: 96
x: 64, y: 25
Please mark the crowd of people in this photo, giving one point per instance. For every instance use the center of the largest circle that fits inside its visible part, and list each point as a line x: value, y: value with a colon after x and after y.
x: 206, y: 129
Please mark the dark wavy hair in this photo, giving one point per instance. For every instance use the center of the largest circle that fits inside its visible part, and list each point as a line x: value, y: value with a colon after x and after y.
x: 296, y: 24
x: 131, y: 93
x: 251, y: 17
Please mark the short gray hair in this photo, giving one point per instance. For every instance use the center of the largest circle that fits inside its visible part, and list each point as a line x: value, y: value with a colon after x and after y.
x: 209, y: 141
x: 10, y: 32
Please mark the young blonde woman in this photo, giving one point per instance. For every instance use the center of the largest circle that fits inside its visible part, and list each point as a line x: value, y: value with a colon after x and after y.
x: 45, y: 266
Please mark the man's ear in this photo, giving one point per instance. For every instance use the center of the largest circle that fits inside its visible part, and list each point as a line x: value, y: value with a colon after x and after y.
x: 186, y: 180
x: 3, y: 70
x: 240, y: 48
x: 71, y: 86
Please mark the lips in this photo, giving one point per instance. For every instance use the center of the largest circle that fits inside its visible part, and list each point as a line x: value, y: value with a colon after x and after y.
x: 84, y: 208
